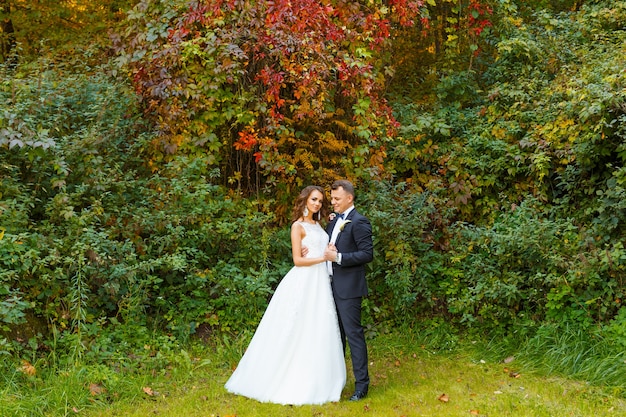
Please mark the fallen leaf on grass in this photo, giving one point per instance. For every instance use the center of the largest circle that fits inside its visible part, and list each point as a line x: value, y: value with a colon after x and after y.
x: 148, y: 391
x: 509, y: 359
x: 27, y: 368
x: 443, y: 398
x: 95, y: 389
x: 514, y: 374
x: 475, y: 412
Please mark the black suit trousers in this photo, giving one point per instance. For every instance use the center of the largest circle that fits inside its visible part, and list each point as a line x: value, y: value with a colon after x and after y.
x: 349, y: 312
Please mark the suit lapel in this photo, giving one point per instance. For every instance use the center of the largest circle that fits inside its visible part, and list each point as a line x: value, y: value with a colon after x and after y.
x: 331, y: 225
x: 348, y: 218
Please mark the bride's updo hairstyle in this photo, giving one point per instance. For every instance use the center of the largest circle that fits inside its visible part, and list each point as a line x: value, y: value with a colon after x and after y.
x: 300, y: 204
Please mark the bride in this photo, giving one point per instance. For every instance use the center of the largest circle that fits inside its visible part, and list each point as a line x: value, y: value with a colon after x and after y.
x: 296, y: 355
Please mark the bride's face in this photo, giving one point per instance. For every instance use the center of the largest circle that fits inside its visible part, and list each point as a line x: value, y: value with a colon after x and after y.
x: 314, y: 202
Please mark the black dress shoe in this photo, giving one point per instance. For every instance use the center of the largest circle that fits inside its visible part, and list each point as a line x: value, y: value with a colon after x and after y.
x: 358, y: 395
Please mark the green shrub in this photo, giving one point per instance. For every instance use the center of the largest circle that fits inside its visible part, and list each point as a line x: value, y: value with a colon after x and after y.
x: 410, y: 233
x: 91, y: 234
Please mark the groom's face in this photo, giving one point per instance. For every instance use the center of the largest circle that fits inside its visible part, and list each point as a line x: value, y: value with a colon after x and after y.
x: 340, y: 199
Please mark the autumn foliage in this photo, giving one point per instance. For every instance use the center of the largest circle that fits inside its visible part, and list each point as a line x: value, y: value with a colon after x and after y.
x: 270, y: 91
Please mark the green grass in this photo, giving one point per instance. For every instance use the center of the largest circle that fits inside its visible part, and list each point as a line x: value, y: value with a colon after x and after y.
x: 410, y: 372
x: 403, y: 386
x: 406, y: 380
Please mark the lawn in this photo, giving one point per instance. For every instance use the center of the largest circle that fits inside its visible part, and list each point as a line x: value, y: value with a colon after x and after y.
x: 405, y: 381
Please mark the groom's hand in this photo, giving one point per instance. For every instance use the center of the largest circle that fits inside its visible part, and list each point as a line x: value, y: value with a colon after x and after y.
x: 330, y: 253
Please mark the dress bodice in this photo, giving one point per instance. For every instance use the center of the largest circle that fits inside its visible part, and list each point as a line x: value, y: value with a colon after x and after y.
x: 316, y: 239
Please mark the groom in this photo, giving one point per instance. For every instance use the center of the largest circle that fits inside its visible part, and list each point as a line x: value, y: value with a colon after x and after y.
x: 350, y: 248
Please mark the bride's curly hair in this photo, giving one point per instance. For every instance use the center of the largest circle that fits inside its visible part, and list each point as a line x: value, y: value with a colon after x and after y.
x: 300, y: 204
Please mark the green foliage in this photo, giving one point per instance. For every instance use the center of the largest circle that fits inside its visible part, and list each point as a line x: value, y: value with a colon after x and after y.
x: 527, y: 269
x: 616, y: 329
x: 409, y: 233
x: 89, y: 237
x: 506, y: 270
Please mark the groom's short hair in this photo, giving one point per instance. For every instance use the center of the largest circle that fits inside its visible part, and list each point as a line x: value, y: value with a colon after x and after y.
x: 346, y: 185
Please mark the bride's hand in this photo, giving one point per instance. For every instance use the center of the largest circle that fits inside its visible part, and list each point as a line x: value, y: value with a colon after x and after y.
x: 305, y: 251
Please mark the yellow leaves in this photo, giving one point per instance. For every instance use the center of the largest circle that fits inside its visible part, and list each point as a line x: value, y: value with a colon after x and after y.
x: 329, y: 141
x: 498, y: 132
x: 516, y: 21
x: 304, y: 157
x: 561, y: 131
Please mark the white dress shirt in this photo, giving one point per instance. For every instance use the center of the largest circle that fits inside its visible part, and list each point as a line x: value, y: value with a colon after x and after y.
x: 335, y: 233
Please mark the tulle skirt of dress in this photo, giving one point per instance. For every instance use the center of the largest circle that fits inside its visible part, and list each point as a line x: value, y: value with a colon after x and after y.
x: 296, y: 355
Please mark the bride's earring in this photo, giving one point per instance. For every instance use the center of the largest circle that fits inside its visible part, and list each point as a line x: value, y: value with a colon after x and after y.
x: 305, y: 212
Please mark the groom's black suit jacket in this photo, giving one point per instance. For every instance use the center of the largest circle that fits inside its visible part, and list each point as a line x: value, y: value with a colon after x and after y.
x: 355, y: 244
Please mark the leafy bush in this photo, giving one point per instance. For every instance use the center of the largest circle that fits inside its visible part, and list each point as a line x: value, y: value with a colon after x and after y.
x: 410, y: 233
x: 92, y: 235
x: 528, y: 269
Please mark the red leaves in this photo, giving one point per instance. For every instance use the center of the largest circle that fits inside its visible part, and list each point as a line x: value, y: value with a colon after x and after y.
x: 477, y: 19
x: 247, y: 140
x: 292, y: 69
x: 406, y: 10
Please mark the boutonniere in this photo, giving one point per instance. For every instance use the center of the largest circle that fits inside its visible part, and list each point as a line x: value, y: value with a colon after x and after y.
x: 342, y: 225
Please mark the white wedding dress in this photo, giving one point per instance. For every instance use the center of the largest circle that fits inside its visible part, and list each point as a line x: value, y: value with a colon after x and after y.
x: 296, y: 356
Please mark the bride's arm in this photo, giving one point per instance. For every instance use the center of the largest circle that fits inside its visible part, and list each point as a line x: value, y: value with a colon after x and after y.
x: 297, y: 234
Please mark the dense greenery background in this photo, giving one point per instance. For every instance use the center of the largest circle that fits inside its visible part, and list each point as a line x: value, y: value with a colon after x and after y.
x: 145, y: 185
